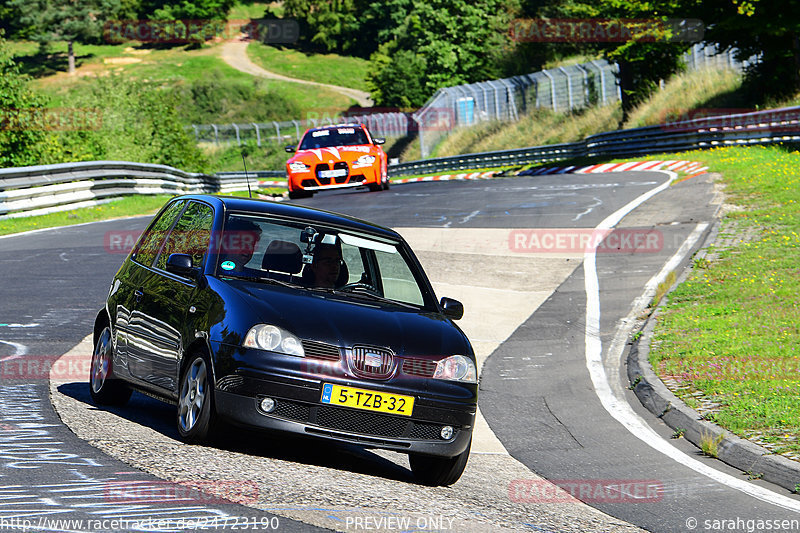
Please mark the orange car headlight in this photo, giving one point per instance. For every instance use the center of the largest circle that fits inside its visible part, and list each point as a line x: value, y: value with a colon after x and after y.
x: 298, y: 166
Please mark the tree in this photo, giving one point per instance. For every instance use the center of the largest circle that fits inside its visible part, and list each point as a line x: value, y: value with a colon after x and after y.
x: 765, y: 28
x: 189, y: 9
x: 65, y: 20
x: 20, y: 134
x: 440, y: 43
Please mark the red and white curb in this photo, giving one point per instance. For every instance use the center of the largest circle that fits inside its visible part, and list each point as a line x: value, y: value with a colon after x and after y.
x: 692, y: 168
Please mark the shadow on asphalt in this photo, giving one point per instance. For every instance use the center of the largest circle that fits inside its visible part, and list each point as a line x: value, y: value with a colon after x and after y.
x: 160, y: 417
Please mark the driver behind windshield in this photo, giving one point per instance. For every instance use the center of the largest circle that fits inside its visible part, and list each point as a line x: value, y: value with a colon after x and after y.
x: 238, y: 244
x: 323, y: 272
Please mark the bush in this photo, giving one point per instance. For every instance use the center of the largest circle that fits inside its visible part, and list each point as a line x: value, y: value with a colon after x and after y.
x: 216, y: 99
x: 139, y: 122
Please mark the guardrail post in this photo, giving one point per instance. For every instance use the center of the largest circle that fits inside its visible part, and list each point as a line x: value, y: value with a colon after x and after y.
x: 238, y: 139
x: 216, y: 133
x: 277, y: 131
x: 569, y: 87
x: 258, y: 134
x: 602, y: 79
x: 297, y: 129
x: 552, y: 89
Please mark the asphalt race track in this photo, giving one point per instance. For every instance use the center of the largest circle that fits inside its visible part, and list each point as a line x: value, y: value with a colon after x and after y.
x: 556, y: 409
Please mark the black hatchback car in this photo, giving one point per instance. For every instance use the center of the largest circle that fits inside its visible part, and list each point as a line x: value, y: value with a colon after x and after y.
x: 287, y: 318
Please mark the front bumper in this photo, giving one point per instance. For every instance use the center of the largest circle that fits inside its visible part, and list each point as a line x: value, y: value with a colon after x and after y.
x: 298, y: 410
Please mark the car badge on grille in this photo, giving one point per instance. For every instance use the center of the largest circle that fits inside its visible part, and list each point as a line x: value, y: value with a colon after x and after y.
x: 373, y: 359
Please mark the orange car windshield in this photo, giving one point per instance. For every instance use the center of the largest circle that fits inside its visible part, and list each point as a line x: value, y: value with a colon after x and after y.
x: 333, y: 137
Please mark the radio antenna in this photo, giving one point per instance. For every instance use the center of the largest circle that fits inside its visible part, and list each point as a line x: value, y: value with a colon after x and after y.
x: 246, y: 178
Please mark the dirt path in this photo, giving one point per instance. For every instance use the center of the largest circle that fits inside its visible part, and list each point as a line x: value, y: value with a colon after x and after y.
x: 234, y: 53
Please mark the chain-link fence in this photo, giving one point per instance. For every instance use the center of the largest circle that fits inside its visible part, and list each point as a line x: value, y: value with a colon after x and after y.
x: 289, y: 132
x: 559, y: 89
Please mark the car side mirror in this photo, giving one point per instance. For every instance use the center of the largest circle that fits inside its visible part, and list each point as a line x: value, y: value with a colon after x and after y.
x: 289, y: 148
x: 453, y: 309
x: 378, y: 140
x: 181, y: 264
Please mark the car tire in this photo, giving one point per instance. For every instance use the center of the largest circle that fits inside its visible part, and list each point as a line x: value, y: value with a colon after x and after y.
x: 375, y: 187
x: 438, y: 471
x: 103, y: 387
x: 196, y: 414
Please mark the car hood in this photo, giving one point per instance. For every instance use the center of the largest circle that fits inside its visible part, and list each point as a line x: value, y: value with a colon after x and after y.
x: 346, y: 322
x: 338, y: 153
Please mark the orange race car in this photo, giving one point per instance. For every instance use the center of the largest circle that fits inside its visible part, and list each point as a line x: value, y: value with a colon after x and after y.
x: 336, y: 157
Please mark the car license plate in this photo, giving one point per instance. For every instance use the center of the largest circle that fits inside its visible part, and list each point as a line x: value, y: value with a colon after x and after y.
x: 368, y: 400
x: 335, y: 173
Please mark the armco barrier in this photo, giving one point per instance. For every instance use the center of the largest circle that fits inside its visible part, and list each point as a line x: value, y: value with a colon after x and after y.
x: 41, y: 189
x: 743, y: 129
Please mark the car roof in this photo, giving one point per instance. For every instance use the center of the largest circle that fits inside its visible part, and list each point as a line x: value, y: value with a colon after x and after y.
x: 291, y: 211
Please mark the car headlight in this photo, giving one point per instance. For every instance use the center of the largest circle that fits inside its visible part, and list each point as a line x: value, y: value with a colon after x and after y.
x: 456, y: 368
x: 298, y: 166
x: 273, y: 339
x: 366, y: 160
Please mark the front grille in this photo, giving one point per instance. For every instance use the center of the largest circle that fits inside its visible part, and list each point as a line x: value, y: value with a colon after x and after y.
x: 419, y: 367
x: 317, y: 169
x: 321, y: 350
x: 371, y: 362
x: 358, y: 422
x: 341, y: 164
x: 292, y: 410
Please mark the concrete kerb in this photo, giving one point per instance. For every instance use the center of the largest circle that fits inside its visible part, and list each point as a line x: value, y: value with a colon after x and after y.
x: 659, y: 400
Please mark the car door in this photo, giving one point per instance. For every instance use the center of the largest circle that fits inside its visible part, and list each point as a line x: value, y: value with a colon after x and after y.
x: 129, y: 329
x: 167, y: 297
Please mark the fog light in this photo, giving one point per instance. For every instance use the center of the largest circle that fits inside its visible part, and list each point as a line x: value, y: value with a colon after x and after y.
x: 447, y: 432
x: 267, y: 405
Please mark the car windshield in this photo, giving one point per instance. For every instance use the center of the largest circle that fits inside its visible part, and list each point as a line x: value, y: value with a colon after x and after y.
x: 328, y: 137
x: 311, y: 257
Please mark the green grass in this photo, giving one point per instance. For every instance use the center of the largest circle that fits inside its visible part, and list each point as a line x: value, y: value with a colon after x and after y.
x: 123, y: 207
x: 126, y: 206
x: 323, y: 68
x: 730, y: 331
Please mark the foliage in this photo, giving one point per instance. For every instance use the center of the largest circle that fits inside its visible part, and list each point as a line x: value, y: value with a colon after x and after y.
x: 215, y: 99
x: 764, y: 27
x: 19, y: 140
x: 442, y: 43
x: 127, y: 120
x: 188, y: 9
x: 65, y: 20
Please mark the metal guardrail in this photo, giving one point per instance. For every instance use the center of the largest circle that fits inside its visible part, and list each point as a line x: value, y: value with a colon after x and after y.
x: 744, y: 129
x: 46, y: 188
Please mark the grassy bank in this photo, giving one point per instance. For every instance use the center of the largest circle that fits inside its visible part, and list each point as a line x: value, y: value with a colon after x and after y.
x: 727, y: 341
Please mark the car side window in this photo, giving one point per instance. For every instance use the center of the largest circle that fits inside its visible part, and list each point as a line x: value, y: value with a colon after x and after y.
x: 191, y: 235
x: 153, y: 238
x: 355, y: 263
x: 397, y: 279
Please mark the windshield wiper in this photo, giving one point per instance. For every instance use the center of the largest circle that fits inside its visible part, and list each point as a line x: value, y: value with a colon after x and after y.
x: 364, y: 292
x: 271, y: 281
